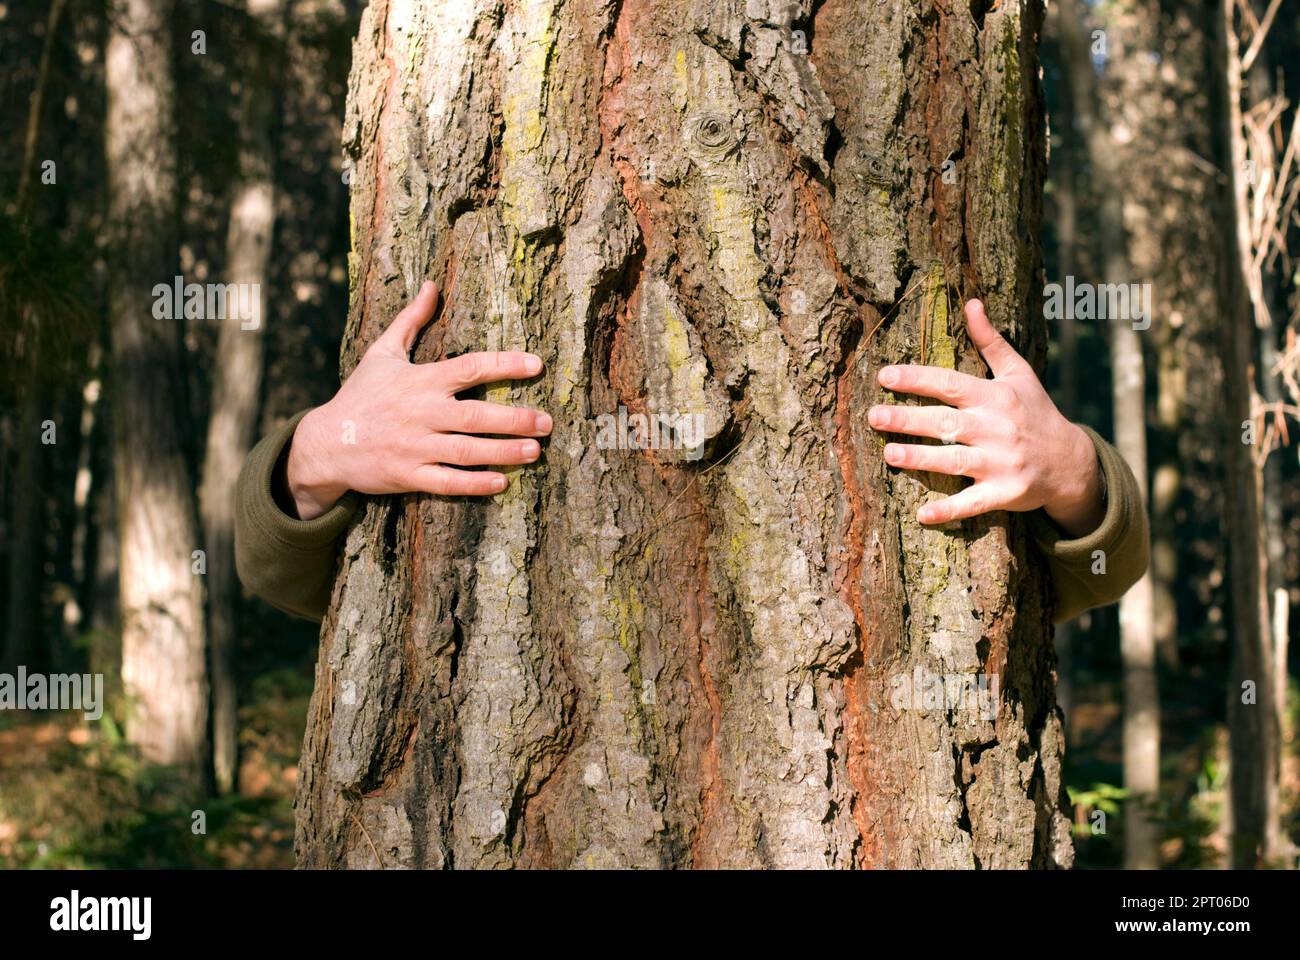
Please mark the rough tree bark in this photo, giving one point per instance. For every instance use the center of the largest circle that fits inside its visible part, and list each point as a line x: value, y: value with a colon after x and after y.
x: 632, y: 658
x: 163, y: 668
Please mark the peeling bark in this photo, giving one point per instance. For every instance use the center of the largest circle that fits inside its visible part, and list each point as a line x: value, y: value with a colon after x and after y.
x: 648, y: 657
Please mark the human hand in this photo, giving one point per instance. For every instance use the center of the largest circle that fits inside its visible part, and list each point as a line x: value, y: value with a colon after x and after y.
x: 1005, y: 433
x: 395, y: 425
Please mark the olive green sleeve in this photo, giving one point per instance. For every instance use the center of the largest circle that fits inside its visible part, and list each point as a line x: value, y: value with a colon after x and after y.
x: 1097, y: 569
x: 288, y: 562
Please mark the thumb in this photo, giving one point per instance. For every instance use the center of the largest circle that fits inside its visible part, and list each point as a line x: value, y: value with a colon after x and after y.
x: 397, y: 339
x: 1000, y: 355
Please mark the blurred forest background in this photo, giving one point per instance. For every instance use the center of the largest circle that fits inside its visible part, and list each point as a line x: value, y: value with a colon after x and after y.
x: 1174, y: 161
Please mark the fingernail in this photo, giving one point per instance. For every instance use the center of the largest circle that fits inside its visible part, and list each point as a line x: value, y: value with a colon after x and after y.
x: 924, y: 515
x: 533, y: 364
x: 499, y: 484
x: 529, y: 449
x: 889, y: 376
x: 542, y: 423
x: 878, y: 416
x: 891, y: 451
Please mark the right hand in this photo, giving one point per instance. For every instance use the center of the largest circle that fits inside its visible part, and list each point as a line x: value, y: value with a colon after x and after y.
x: 406, y: 424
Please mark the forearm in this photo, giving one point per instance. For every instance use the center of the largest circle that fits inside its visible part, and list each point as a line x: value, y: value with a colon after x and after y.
x: 306, y: 484
x: 393, y: 427
x: 288, y: 561
x: 1079, y: 505
x: 1096, y: 568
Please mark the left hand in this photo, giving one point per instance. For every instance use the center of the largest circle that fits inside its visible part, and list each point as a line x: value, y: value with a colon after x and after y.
x: 1005, y: 433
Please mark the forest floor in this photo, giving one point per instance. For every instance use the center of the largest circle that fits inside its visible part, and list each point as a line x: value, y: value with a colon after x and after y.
x: 1193, y: 764
x: 74, y: 795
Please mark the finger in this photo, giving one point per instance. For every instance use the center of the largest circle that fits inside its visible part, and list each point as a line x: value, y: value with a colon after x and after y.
x: 397, y: 339
x: 1000, y: 355
x: 471, y: 369
x: 957, y: 461
x: 971, y: 502
x: 942, y: 423
x: 959, y: 389
x: 447, y: 482
x: 469, y: 451
x: 477, y: 416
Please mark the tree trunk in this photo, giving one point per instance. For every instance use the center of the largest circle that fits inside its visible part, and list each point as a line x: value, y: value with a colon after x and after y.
x: 633, y: 657
x: 26, y: 554
x: 1128, y: 392
x: 163, y: 667
x: 237, y: 380
x: 1163, y: 98
x: 83, y: 485
x: 1066, y: 164
x: 1254, y: 738
x: 21, y: 646
x: 1258, y: 86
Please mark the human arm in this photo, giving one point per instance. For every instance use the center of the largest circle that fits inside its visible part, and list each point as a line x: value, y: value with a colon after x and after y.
x: 1085, y: 506
x: 392, y: 427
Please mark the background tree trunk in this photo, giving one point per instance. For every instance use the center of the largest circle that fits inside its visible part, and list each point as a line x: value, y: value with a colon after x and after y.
x: 163, y: 668
x: 1128, y: 389
x: 21, y: 645
x: 80, y: 554
x: 1254, y: 737
x: 237, y: 375
x: 632, y: 658
x: 1270, y: 314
